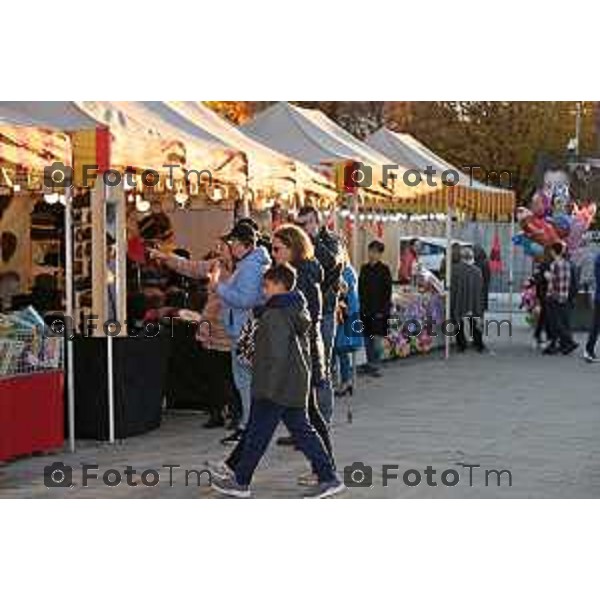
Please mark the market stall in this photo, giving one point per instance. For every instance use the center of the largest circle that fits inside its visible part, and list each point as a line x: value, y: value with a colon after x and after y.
x: 117, y: 383
x: 466, y: 199
x: 92, y: 237
x: 31, y: 386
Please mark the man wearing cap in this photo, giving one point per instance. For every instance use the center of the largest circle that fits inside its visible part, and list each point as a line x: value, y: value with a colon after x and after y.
x: 239, y: 295
x: 329, y: 251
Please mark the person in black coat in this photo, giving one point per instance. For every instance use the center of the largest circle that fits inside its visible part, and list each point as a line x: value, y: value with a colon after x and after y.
x: 481, y: 261
x: 375, y: 293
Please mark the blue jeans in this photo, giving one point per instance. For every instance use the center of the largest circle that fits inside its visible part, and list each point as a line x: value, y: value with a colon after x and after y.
x: 325, y: 391
x: 242, y: 378
x: 345, y: 364
x: 374, y: 349
x: 264, y: 418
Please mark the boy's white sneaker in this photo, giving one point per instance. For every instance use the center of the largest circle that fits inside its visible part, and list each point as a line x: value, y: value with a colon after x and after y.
x: 219, y: 468
x: 230, y: 487
x: 327, y: 489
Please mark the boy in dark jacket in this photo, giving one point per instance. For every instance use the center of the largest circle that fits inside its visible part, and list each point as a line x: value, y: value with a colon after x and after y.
x: 280, y: 388
x: 375, y: 293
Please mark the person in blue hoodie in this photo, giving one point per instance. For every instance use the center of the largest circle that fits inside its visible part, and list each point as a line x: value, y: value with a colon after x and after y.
x: 348, y: 338
x: 241, y: 293
x: 589, y: 354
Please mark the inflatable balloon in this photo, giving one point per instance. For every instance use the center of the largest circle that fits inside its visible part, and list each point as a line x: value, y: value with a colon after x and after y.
x: 562, y: 224
x: 585, y: 213
x: 578, y: 228
x: 539, y: 230
x: 540, y: 204
x: 529, y: 247
x: 523, y: 214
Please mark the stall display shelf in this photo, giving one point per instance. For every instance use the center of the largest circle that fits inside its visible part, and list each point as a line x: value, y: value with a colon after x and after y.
x: 411, y: 305
x: 31, y: 386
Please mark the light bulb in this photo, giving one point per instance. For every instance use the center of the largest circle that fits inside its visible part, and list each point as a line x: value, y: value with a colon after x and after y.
x: 52, y: 198
x: 126, y: 185
x: 141, y: 205
x: 181, y: 198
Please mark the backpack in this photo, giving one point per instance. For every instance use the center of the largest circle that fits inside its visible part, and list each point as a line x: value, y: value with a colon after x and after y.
x: 246, y: 344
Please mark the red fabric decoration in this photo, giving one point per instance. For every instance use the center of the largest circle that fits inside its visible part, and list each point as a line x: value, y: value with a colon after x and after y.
x: 495, y: 255
x: 136, y: 251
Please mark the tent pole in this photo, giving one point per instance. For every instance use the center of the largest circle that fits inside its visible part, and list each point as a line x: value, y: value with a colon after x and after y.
x: 103, y: 190
x: 449, y: 207
x: 511, y: 266
x: 69, y: 316
x: 355, y: 236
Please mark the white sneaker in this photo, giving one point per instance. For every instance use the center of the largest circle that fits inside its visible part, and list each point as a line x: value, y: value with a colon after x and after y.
x: 219, y: 468
x: 590, y: 358
x: 230, y: 487
x: 327, y: 489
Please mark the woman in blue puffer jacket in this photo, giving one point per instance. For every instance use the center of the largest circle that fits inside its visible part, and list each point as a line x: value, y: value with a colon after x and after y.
x: 348, y: 337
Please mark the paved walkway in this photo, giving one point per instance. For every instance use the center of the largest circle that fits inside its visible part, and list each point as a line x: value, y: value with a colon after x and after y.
x: 537, y: 416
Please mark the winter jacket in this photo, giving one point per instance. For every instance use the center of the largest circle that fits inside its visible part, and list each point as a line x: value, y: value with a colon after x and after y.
x: 329, y: 252
x: 214, y: 337
x: 375, y: 292
x: 466, y: 283
x: 243, y: 290
x: 309, y: 281
x: 282, y: 371
x: 348, y: 334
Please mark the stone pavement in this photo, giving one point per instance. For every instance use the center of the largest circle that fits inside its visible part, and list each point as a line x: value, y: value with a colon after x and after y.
x: 514, y: 409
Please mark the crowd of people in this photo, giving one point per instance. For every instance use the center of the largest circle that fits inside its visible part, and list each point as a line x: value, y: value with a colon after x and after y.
x: 274, y: 310
x: 554, y: 288
x: 287, y: 314
x: 282, y: 321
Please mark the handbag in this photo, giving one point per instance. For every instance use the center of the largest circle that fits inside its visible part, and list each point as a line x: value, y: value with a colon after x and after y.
x: 246, y: 344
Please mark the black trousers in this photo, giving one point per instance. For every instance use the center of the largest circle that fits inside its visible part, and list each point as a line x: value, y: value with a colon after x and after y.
x: 475, y: 330
x: 558, y: 326
x: 219, y: 380
x: 595, y: 329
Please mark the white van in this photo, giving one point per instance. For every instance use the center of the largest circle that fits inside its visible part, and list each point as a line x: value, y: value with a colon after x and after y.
x: 431, y: 251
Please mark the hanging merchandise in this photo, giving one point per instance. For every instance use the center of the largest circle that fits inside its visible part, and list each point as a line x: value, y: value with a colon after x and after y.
x: 379, y: 228
x: 495, y: 254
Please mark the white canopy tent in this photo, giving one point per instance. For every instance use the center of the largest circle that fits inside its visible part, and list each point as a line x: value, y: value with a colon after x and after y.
x: 310, y: 136
x: 409, y: 151
x: 143, y: 134
x: 266, y: 167
x: 156, y: 125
